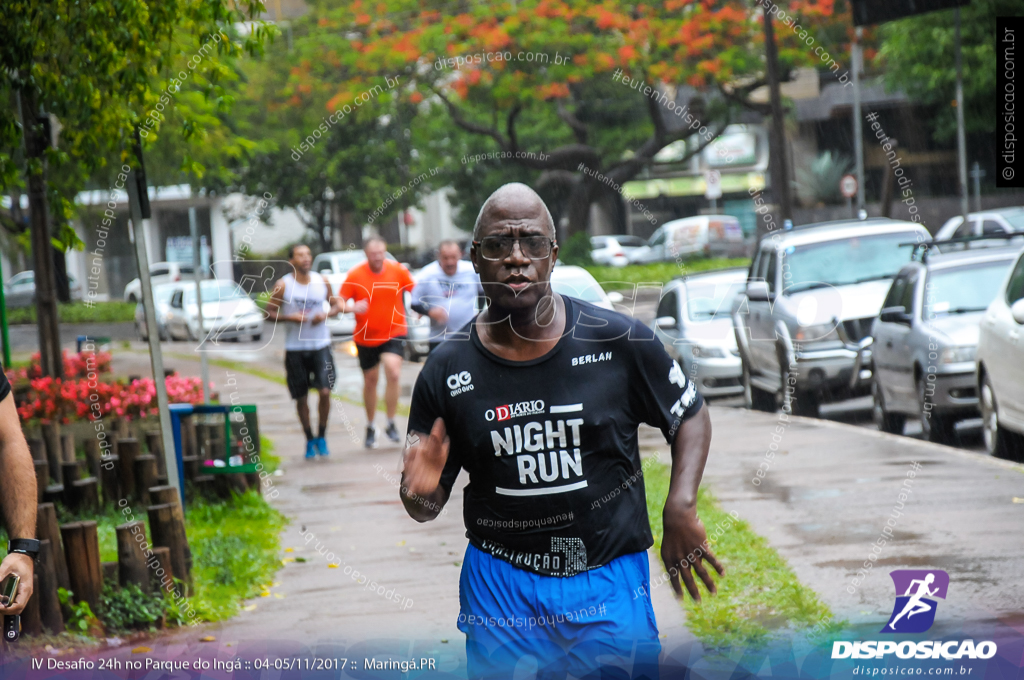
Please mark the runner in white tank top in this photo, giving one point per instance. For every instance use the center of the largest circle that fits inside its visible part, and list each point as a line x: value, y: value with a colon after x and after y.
x: 303, y: 301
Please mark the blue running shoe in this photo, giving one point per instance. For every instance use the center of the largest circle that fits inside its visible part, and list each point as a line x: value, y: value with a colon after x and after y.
x: 321, y: 446
x: 310, y: 449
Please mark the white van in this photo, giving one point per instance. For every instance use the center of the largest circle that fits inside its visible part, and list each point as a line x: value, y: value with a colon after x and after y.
x: 708, y: 235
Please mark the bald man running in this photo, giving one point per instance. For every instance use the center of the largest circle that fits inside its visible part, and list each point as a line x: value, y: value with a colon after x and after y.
x: 541, y: 407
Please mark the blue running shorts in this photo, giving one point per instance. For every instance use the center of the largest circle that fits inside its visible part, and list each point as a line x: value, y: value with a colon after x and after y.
x: 597, y: 624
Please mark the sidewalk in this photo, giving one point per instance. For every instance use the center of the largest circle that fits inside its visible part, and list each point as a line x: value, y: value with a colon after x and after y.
x: 349, y: 502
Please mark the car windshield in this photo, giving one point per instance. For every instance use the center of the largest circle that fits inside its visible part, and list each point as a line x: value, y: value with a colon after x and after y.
x: 964, y: 289
x: 1015, y: 218
x: 163, y: 293
x: 845, y: 261
x: 214, y: 291
x: 579, y: 287
x: 706, y: 299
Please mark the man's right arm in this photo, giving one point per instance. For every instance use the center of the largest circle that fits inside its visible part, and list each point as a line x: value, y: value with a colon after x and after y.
x: 17, y: 499
x: 424, y: 460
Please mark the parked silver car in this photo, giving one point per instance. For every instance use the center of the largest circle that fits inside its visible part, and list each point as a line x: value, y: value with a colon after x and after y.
x: 162, y: 302
x: 616, y: 250
x: 812, y: 294
x: 693, y: 322
x: 159, y: 273
x: 926, y: 336
x: 20, y: 289
x: 228, y: 313
x: 1000, y: 376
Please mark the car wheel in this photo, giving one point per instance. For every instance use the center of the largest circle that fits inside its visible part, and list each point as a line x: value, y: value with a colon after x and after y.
x: 887, y: 422
x: 163, y: 336
x: 755, y: 398
x: 143, y: 336
x: 999, y: 441
x: 131, y: 299
x: 256, y: 337
x: 934, y: 426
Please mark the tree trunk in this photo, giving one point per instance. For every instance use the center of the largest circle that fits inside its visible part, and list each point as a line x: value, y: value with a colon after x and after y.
x: 578, y: 210
x: 777, y: 135
x: 42, y: 250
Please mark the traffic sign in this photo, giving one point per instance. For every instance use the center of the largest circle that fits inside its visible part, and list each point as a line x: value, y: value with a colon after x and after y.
x: 712, y: 184
x: 848, y: 186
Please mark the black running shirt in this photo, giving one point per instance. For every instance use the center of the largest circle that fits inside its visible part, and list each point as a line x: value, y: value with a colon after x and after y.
x: 555, y: 483
x: 5, y: 386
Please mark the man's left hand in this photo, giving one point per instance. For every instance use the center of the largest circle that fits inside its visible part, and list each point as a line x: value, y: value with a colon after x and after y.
x: 685, y: 546
x: 20, y: 564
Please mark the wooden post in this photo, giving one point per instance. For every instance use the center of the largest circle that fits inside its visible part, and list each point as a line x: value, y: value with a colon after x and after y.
x: 188, y: 435
x: 67, y: 445
x: 162, y: 572
x: 31, y: 623
x: 145, y: 476
x: 160, y: 495
x: 82, y: 547
x: 51, y: 436
x: 49, y: 581
x: 85, y: 494
x: 110, y: 570
x: 110, y: 480
x: 155, y: 444
x: 169, y: 531
x: 191, y: 467
x: 37, y: 447
x: 54, y: 494
x: 42, y: 478
x: 127, y: 452
x: 131, y: 558
x: 93, y: 457
x: 47, y: 530
x: 71, y: 472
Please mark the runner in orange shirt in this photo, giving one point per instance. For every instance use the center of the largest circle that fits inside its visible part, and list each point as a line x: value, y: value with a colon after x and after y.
x: 378, y: 287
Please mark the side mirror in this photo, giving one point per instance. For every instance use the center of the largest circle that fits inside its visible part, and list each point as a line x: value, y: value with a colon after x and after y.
x: 615, y: 296
x: 666, y: 323
x: 895, y: 315
x: 1017, y: 311
x: 757, y: 291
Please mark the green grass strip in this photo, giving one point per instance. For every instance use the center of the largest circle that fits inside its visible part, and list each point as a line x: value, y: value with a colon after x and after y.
x: 759, y: 598
x: 114, y: 311
x: 659, y: 272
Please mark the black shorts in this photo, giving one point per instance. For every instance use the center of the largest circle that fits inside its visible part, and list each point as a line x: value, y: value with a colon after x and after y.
x: 369, y: 357
x: 308, y: 368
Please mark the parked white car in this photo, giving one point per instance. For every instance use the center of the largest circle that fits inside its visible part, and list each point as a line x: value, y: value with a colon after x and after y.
x: 228, y: 313
x: 1000, y: 372
x: 159, y: 273
x: 708, y: 235
x: 615, y: 250
x: 1001, y: 221
x: 577, y: 282
x: 335, y: 266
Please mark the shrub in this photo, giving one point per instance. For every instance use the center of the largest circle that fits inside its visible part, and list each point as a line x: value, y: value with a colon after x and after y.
x: 576, y: 250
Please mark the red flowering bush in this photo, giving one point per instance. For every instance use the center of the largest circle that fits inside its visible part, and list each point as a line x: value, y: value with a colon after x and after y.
x: 75, y: 366
x: 56, y: 400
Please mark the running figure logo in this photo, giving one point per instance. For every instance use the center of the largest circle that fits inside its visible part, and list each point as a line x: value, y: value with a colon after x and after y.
x: 914, y: 612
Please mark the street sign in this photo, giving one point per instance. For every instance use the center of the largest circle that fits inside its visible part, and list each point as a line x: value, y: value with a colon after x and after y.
x: 712, y: 184
x: 848, y: 186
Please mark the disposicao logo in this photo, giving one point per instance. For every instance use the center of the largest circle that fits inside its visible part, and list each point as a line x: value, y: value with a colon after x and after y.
x: 914, y: 612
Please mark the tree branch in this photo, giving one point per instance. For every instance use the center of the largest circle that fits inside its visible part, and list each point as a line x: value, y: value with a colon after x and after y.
x: 469, y: 126
x: 570, y: 119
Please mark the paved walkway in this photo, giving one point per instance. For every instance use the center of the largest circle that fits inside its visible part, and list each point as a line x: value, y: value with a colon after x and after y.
x: 349, y: 504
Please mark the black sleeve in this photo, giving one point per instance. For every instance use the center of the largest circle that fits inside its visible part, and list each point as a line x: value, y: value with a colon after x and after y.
x: 661, y: 394
x: 423, y: 410
x: 5, y: 386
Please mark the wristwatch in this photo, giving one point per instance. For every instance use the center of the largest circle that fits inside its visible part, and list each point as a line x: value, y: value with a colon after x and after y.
x: 25, y: 546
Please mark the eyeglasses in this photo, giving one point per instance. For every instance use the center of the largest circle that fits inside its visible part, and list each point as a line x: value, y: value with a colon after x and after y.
x: 500, y: 247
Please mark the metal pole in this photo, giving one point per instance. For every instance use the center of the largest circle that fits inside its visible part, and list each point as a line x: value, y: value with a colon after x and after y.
x: 3, y: 322
x: 155, y: 355
x: 961, y: 141
x: 204, y: 364
x: 976, y: 174
x: 858, y: 133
